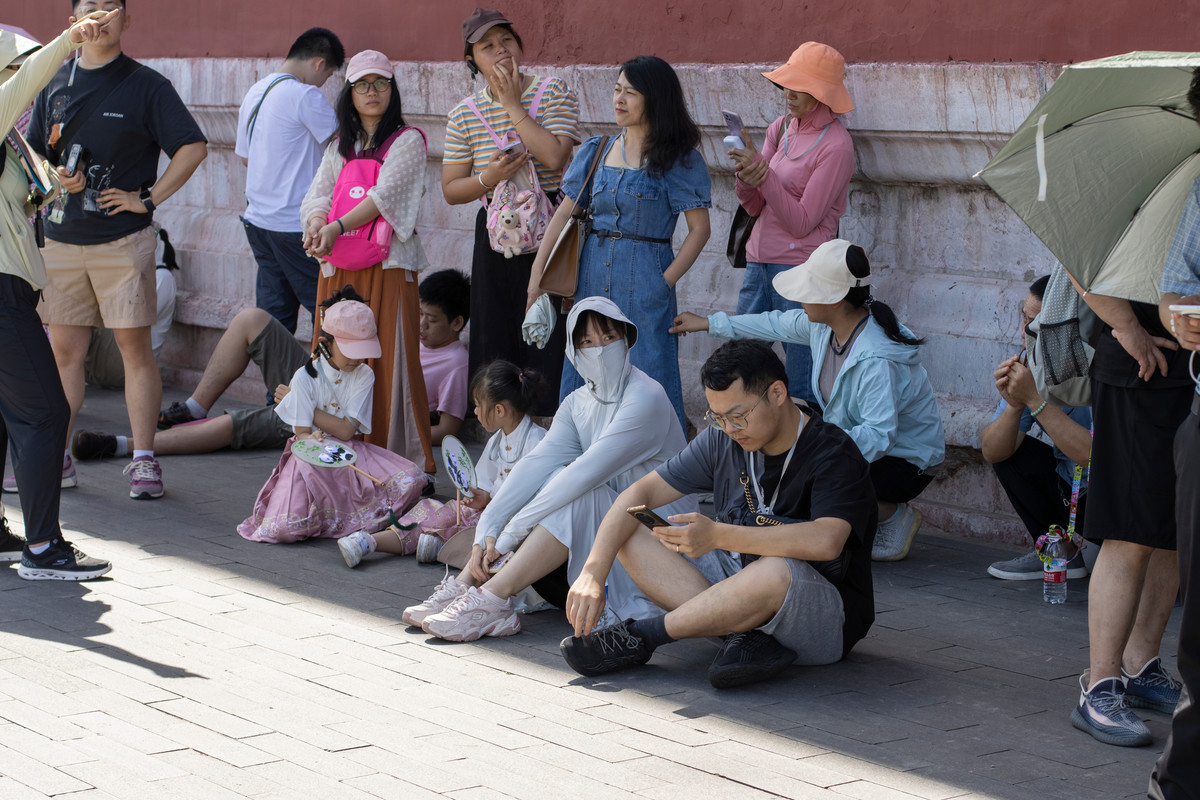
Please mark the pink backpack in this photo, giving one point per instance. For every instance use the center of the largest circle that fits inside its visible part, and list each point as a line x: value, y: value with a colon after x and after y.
x: 516, y: 218
x: 366, y: 246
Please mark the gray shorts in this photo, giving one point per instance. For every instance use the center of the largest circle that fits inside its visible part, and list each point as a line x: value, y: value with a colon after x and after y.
x: 278, y: 355
x: 811, y: 617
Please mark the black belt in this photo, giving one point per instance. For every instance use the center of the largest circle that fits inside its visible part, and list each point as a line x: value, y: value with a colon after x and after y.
x: 633, y: 236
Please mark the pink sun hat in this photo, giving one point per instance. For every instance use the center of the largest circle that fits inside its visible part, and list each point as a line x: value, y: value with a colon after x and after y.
x: 352, y: 325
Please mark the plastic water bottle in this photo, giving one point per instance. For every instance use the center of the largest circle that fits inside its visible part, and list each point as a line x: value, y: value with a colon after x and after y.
x: 1054, y: 570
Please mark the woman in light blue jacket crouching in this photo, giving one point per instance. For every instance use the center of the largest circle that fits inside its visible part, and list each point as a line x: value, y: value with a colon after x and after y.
x: 867, y: 376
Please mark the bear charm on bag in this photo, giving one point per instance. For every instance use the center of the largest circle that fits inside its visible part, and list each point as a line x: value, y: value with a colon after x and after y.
x: 520, y: 212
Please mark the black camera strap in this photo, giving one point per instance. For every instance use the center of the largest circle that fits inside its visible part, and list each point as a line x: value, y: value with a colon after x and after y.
x: 120, y: 74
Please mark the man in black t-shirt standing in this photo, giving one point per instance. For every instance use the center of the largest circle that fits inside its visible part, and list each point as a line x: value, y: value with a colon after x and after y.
x: 794, y: 498
x: 99, y: 242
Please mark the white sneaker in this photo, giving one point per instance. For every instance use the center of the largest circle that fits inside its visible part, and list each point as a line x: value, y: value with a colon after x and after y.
x: 446, y: 592
x: 355, y: 546
x: 894, y: 537
x: 471, y: 616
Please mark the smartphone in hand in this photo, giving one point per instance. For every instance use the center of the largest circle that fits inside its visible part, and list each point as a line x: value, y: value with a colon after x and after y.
x: 737, y: 130
x: 647, y: 517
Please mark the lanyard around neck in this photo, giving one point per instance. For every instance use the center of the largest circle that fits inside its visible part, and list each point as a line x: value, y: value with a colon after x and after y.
x: 769, y: 508
x: 824, y: 131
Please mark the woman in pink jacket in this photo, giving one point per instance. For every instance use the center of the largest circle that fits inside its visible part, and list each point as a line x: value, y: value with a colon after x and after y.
x: 797, y: 186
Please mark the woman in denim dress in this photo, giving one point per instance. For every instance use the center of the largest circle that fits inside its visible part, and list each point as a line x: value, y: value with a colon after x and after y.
x: 648, y: 176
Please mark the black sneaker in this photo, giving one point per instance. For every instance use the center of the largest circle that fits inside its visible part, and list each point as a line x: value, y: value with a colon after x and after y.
x: 11, y: 545
x: 430, y: 486
x: 92, y: 445
x: 748, y: 658
x: 175, y: 414
x: 606, y: 650
x: 61, y: 561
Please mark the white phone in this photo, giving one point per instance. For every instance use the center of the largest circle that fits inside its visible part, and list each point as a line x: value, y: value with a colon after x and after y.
x: 1185, y: 310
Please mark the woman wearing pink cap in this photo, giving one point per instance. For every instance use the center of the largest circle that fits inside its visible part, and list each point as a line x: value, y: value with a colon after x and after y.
x: 328, y: 403
x: 371, y: 126
x: 797, y: 186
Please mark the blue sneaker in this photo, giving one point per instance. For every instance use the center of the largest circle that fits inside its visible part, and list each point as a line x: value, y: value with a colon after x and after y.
x: 1102, y: 712
x: 1152, y: 687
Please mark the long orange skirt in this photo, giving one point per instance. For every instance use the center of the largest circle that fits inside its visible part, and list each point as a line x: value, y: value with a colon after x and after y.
x: 400, y: 411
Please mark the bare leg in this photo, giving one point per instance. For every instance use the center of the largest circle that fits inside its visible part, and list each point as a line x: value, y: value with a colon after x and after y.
x: 540, y: 554
x: 70, y: 345
x: 143, y: 383
x: 738, y: 603
x: 1154, y: 610
x: 210, y: 435
x: 229, y: 358
x: 668, y: 579
x: 886, y: 510
x: 1113, y: 598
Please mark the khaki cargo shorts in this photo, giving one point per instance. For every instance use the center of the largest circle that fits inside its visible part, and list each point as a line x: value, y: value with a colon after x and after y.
x: 107, y: 285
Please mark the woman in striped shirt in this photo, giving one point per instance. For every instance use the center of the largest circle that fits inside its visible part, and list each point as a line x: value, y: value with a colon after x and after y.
x: 473, y: 165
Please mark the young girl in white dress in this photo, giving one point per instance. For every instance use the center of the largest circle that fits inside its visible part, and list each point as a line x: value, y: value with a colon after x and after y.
x: 503, y: 394
x: 329, y: 402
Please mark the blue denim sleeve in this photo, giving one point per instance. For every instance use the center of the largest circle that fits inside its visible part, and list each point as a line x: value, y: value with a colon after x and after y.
x: 573, y: 181
x: 689, y: 184
x: 1181, y: 272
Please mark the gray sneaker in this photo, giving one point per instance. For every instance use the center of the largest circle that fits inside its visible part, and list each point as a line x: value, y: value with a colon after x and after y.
x: 1029, y: 568
x: 894, y: 536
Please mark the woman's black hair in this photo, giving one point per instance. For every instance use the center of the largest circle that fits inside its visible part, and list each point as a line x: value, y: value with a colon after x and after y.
x: 469, y: 48
x: 602, y: 322
x: 350, y: 130
x: 168, y: 260
x: 673, y: 136
x: 502, y: 381
x: 859, y: 296
x: 323, y: 338
x: 1038, y: 287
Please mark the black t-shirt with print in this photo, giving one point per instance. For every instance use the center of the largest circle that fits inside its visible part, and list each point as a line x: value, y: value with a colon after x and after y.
x: 827, y: 477
x: 122, y: 138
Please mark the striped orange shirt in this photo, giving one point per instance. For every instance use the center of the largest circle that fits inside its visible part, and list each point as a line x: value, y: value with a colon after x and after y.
x: 468, y: 141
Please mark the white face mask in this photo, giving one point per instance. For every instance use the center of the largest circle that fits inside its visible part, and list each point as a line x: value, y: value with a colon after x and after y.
x: 602, y: 367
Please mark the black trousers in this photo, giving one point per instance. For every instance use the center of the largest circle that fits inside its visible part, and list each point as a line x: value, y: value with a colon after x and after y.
x: 1176, y: 776
x: 897, y: 480
x: 33, y: 409
x: 1038, y: 494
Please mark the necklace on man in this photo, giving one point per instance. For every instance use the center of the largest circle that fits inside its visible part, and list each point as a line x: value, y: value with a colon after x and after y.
x: 833, y: 345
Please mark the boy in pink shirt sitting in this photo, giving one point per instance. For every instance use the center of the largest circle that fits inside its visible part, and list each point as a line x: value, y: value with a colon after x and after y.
x: 445, y: 308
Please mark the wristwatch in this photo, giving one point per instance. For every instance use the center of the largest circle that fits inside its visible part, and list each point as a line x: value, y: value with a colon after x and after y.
x: 147, y: 200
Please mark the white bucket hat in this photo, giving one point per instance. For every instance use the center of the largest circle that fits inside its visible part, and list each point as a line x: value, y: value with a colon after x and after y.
x: 824, y: 278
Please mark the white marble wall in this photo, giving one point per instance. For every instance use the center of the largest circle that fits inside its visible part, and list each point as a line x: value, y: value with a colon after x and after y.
x: 949, y: 257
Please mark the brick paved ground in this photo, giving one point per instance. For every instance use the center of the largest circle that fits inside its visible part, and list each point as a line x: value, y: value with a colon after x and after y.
x: 209, y: 667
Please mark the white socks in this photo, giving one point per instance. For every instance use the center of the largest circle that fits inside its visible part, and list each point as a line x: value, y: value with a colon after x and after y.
x: 198, y: 411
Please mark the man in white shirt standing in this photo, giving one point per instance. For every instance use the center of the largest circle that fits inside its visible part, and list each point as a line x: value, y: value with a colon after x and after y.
x: 283, y: 126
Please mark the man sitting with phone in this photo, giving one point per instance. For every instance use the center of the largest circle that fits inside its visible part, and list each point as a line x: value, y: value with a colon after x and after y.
x: 802, y: 516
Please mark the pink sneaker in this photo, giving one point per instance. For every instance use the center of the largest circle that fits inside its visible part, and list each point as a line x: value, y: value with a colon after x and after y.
x: 446, y: 592
x: 145, y: 478
x: 471, y: 616
x: 69, y: 478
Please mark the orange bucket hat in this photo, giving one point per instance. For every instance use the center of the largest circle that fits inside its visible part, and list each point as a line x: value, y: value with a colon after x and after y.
x: 816, y: 69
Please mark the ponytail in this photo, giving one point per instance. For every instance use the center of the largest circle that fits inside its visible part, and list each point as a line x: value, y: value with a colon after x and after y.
x: 504, y: 382
x: 860, y: 296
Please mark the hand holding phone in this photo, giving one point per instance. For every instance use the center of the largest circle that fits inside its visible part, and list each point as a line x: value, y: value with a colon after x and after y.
x: 647, y: 517
x: 76, y: 160
x: 1185, y: 310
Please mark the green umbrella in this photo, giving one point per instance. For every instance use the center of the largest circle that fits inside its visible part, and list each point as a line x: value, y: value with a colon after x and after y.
x: 1101, y: 168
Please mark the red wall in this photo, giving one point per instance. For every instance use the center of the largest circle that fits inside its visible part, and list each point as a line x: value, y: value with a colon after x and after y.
x: 705, y: 31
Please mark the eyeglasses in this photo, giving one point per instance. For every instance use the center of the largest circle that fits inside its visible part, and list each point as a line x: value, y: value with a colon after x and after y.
x: 736, y: 421
x: 381, y: 85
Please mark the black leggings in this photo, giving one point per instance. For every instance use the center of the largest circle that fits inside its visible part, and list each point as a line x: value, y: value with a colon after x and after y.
x: 1038, y: 494
x: 33, y: 409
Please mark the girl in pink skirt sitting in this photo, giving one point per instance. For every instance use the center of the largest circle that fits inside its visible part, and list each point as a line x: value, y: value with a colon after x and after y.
x: 329, y: 402
x: 503, y: 394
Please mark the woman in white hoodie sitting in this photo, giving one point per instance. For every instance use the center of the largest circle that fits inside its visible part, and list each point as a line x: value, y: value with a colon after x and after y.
x: 605, y: 436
